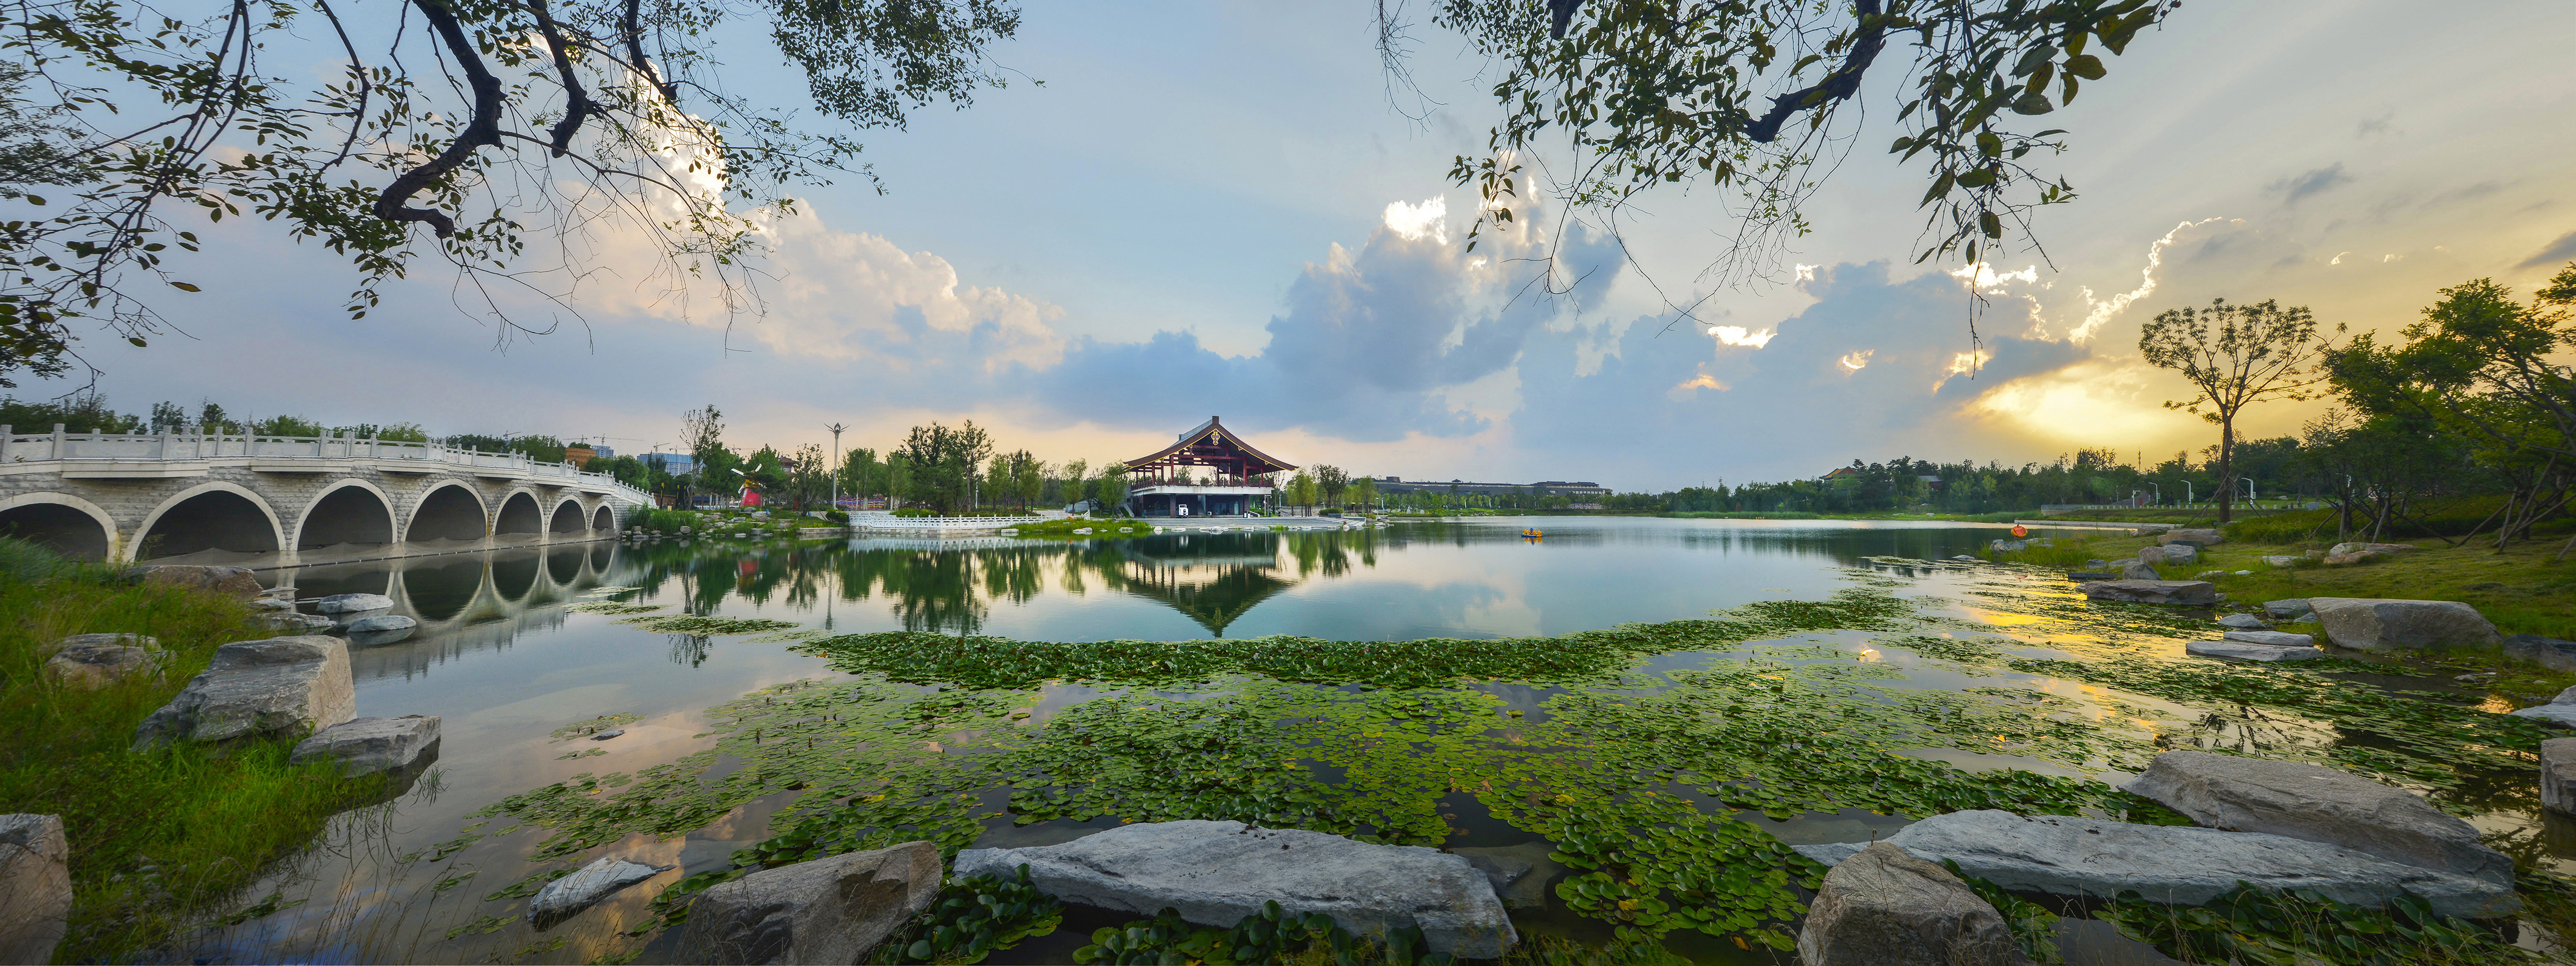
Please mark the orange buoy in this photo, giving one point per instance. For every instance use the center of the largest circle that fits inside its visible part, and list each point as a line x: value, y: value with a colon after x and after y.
x: 2020, y: 531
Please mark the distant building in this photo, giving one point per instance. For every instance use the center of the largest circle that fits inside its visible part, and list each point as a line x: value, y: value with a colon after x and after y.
x: 672, y: 464
x: 580, y: 455
x: 1391, y: 485
x: 604, y: 452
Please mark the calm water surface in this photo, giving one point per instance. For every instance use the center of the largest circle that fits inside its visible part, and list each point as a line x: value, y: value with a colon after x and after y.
x: 505, y: 663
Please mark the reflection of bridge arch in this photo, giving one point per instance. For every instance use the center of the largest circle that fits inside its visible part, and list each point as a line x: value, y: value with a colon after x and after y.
x: 220, y: 516
x: 449, y: 510
x: 61, y: 522
x: 350, y: 511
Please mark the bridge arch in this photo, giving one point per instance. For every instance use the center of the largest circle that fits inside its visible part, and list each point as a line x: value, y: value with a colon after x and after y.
x: 350, y: 511
x: 605, y: 519
x: 567, y: 517
x: 519, y: 514
x: 218, y: 516
x: 56, y: 522
x: 449, y: 510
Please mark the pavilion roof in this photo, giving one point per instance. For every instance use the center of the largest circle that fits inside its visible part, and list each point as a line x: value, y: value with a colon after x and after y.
x: 1212, y: 435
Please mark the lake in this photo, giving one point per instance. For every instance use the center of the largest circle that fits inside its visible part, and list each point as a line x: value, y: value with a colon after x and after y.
x: 1910, y: 659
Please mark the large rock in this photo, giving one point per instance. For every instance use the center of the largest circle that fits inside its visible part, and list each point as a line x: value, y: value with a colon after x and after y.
x: 2372, y: 624
x: 365, y: 746
x: 830, y: 910
x: 566, y: 897
x: 1520, y: 874
x: 2153, y: 591
x: 1883, y: 907
x: 2273, y: 638
x: 2548, y: 652
x: 2152, y: 556
x: 352, y: 603
x: 2558, y: 775
x: 2319, y: 804
x: 2553, y: 715
x: 2139, y: 570
x: 2203, y: 537
x: 291, y: 621
x: 283, y: 685
x: 237, y: 581
x: 2251, y: 652
x: 93, y: 666
x: 382, y: 629
x: 35, y: 887
x: 2288, y: 610
x: 1216, y: 873
x: 143, y: 641
x: 2178, y: 865
x: 2350, y: 559
x: 2181, y: 553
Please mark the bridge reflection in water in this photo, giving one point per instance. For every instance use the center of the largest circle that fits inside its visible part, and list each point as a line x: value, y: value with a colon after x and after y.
x: 485, y: 601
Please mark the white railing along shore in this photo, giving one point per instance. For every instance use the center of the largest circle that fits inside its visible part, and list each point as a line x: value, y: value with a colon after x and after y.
x: 872, y: 522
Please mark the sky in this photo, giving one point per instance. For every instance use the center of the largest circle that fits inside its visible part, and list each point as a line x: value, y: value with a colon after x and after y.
x: 1215, y: 209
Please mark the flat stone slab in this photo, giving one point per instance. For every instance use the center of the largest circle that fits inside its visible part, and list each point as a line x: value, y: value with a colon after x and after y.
x: 2251, y: 652
x: 2180, y: 866
x: 1884, y: 907
x: 2382, y: 624
x: 2319, y: 804
x: 2548, y: 652
x: 2273, y: 638
x: 2287, y: 608
x: 365, y: 746
x: 35, y: 887
x: 382, y: 622
x: 2243, y: 622
x: 568, y: 896
x: 1216, y: 873
x: 2553, y: 715
x: 1520, y: 874
x: 282, y: 685
x: 2153, y: 591
x: 352, y: 603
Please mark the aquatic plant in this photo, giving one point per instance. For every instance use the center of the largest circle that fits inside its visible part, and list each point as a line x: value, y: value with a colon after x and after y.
x: 972, y: 919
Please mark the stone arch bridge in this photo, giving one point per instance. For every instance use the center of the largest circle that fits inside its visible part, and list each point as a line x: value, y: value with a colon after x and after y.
x: 285, y: 500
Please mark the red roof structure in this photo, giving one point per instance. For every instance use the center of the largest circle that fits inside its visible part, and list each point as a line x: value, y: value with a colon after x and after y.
x: 1210, y: 445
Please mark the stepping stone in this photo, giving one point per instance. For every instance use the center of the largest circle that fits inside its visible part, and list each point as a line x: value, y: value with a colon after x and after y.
x: 829, y: 910
x: 352, y: 603
x: 283, y: 685
x: 568, y: 896
x: 2252, y: 652
x: 1884, y: 907
x: 365, y: 746
x: 2319, y: 804
x: 2139, y: 591
x: 2377, y: 624
x: 1216, y: 873
x: 2243, y: 622
x: 2273, y: 638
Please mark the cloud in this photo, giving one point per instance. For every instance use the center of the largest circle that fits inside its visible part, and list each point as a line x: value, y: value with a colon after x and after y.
x: 2099, y: 311
x: 2561, y: 250
x: 2315, y: 182
x: 1739, y: 335
x: 1874, y: 364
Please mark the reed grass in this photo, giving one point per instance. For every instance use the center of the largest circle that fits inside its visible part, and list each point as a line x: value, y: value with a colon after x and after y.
x: 160, y: 841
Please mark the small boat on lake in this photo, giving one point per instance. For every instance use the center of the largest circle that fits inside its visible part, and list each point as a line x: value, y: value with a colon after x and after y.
x: 1531, y: 533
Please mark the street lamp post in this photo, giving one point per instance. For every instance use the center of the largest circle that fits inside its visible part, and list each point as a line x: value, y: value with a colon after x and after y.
x: 836, y: 429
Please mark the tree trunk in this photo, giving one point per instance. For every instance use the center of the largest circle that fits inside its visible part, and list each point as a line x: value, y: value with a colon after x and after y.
x: 2226, y: 466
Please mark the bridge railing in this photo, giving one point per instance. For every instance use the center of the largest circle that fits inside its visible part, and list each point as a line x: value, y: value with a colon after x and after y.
x: 939, y: 523
x: 60, y: 444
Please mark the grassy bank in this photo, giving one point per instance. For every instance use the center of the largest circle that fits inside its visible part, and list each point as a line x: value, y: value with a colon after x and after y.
x: 2521, y: 589
x: 159, y: 841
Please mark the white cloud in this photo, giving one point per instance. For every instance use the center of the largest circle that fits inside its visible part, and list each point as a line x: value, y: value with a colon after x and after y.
x: 1856, y: 361
x: 1414, y: 222
x: 2102, y: 311
x: 1739, y: 335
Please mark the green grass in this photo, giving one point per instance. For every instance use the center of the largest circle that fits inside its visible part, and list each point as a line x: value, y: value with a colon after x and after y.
x: 160, y: 841
x: 1098, y: 528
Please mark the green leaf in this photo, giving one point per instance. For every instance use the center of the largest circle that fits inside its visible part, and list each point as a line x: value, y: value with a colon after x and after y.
x: 2085, y: 66
x: 1991, y: 225
x: 1989, y: 144
x: 2032, y: 103
x: 185, y: 287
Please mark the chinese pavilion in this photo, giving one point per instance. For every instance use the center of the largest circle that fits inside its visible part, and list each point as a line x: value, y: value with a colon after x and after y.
x: 1163, y: 484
